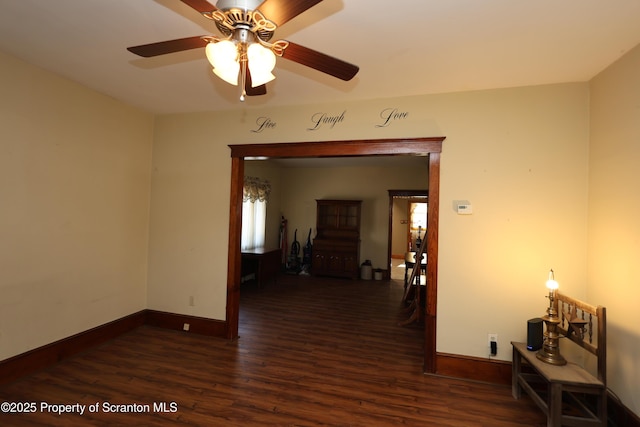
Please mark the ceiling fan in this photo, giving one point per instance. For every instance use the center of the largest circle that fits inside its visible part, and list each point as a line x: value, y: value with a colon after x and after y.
x: 244, y: 55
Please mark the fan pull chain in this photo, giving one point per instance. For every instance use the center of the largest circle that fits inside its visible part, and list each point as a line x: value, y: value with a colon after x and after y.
x: 243, y: 73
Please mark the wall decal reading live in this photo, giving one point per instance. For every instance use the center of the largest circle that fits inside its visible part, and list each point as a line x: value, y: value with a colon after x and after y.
x: 263, y: 123
x: 389, y: 115
x: 321, y: 119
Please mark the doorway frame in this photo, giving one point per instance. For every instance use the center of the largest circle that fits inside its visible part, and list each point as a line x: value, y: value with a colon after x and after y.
x: 429, y: 146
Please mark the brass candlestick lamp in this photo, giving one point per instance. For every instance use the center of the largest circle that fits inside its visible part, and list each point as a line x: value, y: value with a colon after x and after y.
x: 550, y: 351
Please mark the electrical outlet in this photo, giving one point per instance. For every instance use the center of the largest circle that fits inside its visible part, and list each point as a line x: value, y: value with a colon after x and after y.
x: 185, y: 327
x: 493, y: 338
x: 191, y: 302
x: 493, y: 344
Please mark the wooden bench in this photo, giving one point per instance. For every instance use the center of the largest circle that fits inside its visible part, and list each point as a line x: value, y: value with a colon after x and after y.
x: 569, y: 394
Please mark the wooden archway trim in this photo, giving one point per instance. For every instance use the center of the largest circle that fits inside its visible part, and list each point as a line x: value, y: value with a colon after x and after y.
x: 368, y: 147
x: 431, y: 147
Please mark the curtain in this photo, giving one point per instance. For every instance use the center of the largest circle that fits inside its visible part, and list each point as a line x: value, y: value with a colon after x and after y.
x: 255, y: 189
x: 254, y: 212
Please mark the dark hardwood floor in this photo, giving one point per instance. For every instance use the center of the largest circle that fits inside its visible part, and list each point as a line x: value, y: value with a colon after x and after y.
x: 311, y: 352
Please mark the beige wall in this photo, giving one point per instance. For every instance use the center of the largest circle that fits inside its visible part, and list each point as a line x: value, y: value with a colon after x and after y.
x: 189, y: 221
x: 614, y: 228
x: 400, y: 229
x: 74, y: 206
x: 520, y: 157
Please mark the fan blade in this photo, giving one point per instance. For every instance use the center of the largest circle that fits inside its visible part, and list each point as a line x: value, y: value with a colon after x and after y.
x: 281, y: 11
x: 201, y: 6
x: 169, y: 46
x: 253, y: 91
x: 321, y: 62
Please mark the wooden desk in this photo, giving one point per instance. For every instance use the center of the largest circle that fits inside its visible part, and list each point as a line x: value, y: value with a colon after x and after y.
x: 265, y: 263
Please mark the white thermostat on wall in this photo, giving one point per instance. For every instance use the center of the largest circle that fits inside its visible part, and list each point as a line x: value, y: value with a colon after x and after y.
x: 463, y: 207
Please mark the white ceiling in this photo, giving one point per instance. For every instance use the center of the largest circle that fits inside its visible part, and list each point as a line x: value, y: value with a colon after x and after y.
x: 403, y: 47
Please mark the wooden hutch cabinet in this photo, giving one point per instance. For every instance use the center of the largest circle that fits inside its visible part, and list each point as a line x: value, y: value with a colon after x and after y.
x: 336, y: 247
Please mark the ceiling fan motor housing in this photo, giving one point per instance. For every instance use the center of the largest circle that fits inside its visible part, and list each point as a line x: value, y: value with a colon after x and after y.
x: 239, y: 4
x: 240, y: 14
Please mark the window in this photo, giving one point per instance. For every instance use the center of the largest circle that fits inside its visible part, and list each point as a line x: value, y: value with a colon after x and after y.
x: 417, y: 223
x: 418, y: 215
x: 254, y: 212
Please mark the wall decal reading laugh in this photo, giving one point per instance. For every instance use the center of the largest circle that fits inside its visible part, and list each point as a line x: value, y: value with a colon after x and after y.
x: 389, y: 115
x: 322, y: 119
x: 263, y: 123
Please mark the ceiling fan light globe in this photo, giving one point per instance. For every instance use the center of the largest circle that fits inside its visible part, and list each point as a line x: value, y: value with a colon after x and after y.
x: 221, y: 52
x: 229, y: 76
x: 260, y: 78
x: 261, y: 61
x: 261, y: 57
x: 223, y: 56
